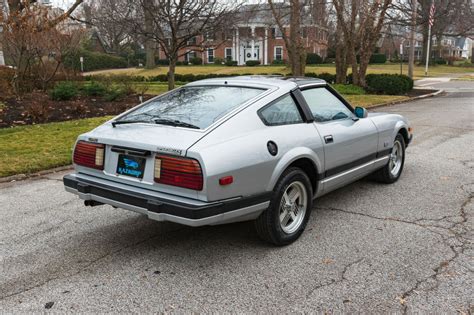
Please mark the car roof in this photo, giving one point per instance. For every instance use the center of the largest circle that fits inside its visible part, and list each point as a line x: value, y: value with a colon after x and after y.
x: 263, y: 81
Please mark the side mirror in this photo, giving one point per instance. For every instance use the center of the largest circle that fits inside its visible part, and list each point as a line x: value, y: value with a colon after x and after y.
x: 360, y: 112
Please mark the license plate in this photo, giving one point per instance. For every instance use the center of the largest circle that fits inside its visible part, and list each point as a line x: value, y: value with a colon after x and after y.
x: 131, y: 165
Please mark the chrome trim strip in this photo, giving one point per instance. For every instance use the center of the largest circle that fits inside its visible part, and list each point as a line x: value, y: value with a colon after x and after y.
x: 354, y: 169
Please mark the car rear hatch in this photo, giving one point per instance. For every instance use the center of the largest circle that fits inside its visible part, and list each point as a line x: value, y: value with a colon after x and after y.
x: 130, y: 152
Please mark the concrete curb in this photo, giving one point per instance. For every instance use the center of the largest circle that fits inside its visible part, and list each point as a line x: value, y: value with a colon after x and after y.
x: 19, y: 177
x: 438, y: 92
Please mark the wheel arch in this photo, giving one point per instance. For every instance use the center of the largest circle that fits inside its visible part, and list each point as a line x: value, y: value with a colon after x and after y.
x: 303, y: 158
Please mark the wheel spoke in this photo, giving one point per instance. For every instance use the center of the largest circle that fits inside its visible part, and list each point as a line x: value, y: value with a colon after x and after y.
x: 293, y: 216
x: 294, y: 195
x: 286, y: 198
x: 283, y: 215
x: 286, y: 219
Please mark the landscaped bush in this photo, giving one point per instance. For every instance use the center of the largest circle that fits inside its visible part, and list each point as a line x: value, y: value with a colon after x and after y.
x: 252, y: 63
x: 231, y: 63
x: 330, y: 60
x: 392, y: 84
x: 114, y: 94
x: 162, y: 62
x: 218, y: 61
x: 440, y: 61
x: 64, y: 91
x: 378, y: 58
x: 6, y: 77
x: 312, y: 59
x: 196, y: 61
x: 94, y: 61
x: 329, y: 78
x: 94, y: 88
x: 349, y: 89
x: 278, y: 62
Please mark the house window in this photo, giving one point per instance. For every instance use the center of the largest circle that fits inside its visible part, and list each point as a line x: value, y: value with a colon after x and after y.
x: 276, y: 33
x: 192, y: 41
x: 210, y: 36
x: 210, y: 55
x: 189, y: 56
x: 278, y: 53
x: 228, y: 53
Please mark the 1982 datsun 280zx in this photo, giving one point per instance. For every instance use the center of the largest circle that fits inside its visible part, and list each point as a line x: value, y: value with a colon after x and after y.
x: 235, y: 149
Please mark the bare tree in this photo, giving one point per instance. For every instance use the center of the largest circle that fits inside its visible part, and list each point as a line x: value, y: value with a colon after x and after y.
x: 173, y: 24
x: 361, y: 22
x: 32, y: 40
x: 291, y: 11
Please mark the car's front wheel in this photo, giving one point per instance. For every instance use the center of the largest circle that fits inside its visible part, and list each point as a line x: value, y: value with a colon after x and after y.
x: 394, y: 167
x: 286, y: 217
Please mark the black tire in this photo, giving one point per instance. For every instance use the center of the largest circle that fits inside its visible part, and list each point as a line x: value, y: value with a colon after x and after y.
x: 385, y: 175
x: 268, y: 224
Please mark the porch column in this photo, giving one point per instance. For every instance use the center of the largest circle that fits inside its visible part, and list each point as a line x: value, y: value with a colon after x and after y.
x: 237, y: 47
x: 265, y: 49
x: 234, y: 50
x: 253, y: 42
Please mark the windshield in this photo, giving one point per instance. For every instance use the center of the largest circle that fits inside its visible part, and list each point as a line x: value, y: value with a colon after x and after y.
x: 197, y: 106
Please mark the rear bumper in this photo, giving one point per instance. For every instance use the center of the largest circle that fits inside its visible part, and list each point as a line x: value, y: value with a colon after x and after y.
x: 160, y: 208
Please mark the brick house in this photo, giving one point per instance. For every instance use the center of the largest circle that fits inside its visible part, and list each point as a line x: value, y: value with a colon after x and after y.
x: 255, y: 37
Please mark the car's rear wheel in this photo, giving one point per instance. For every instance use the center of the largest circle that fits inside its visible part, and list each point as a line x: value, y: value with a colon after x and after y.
x: 286, y: 217
x: 391, y: 172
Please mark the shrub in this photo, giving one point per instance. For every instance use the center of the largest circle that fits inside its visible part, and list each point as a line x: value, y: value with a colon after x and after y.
x: 349, y: 89
x: 218, y: 61
x: 6, y: 77
x: 378, y: 58
x: 392, y: 84
x: 252, y: 63
x: 330, y: 60
x: 312, y: 59
x: 94, y: 61
x: 94, y: 88
x: 231, y: 63
x: 196, y: 61
x: 162, y: 62
x: 64, y: 91
x: 114, y: 94
x: 329, y: 78
x: 278, y: 62
x: 440, y: 61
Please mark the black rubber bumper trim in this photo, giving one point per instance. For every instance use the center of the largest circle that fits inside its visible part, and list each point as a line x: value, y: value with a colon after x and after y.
x: 159, y: 205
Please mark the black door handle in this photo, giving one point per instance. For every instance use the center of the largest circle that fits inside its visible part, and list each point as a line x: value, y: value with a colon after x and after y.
x: 328, y: 139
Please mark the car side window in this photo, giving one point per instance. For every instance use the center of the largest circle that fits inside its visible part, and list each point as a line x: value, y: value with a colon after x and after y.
x: 325, y: 106
x: 281, y: 112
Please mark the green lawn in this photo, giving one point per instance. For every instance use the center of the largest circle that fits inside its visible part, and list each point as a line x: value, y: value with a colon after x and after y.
x: 29, y: 149
x: 438, y: 70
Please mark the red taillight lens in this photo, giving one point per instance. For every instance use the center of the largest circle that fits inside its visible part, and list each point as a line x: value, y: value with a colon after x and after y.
x: 181, y: 172
x: 89, y: 154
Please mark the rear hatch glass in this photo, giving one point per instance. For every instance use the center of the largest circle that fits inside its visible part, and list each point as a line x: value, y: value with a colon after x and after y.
x: 195, y: 107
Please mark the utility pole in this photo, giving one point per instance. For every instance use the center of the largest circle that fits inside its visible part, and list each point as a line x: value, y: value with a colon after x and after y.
x: 430, y: 22
x: 411, y: 52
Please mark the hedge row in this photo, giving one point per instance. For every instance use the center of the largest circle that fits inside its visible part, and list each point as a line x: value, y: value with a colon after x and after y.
x: 392, y: 84
x: 94, y: 61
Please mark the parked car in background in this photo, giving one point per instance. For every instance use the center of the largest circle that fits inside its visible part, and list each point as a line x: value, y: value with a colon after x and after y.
x: 236, y: 149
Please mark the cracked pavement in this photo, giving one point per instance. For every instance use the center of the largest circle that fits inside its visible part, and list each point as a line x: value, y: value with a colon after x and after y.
x: 402, y: 248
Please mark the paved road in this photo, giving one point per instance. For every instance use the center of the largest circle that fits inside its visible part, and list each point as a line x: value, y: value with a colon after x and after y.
x: 368, y: 247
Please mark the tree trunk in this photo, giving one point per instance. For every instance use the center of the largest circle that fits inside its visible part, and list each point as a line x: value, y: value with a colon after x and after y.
x: 297, y: 47
x: 149, y: 49
x: 341, y: 57
x: 171, y: 72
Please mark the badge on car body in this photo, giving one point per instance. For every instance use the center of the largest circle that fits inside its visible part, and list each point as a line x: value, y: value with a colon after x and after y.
x: 169, y: 150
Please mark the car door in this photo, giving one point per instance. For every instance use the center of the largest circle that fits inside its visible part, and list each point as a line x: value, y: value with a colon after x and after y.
x: 350, y: 143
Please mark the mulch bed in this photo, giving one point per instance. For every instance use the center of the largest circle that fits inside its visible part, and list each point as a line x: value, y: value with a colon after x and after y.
x: 37, y: 107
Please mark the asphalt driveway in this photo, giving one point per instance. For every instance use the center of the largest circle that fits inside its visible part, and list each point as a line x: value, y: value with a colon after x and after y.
x: 368, y: 247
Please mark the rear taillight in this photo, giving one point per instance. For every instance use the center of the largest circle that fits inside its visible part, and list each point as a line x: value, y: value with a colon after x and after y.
x: 181, y: 172
x: 89, y: 154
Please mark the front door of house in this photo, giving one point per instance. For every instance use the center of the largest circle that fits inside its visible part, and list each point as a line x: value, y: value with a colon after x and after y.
x: 248, y: 53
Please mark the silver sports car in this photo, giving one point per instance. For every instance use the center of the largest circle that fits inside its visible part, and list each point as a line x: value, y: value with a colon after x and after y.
x: 235, y: 149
